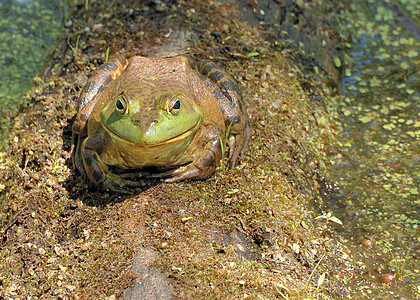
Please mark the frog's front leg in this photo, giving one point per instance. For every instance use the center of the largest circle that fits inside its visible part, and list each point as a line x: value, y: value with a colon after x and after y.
x: 204, y: 165
x: 229, y: 97
x: 76, y: 153
x: 97, y: 171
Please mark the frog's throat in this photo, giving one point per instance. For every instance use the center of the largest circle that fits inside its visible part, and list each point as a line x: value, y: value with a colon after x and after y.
x: 182, y: 136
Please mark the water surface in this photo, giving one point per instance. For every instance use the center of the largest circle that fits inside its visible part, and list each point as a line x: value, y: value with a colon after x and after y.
x: 377, y: 167
x: 28, y: 32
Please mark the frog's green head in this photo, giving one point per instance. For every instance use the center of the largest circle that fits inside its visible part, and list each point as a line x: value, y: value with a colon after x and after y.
x: 152, y: 116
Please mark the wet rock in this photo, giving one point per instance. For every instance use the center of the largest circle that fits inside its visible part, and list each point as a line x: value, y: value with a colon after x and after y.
x: 305, y: 23
x: 151, y: 284
x: 387, y: 278
x: 368, y: 241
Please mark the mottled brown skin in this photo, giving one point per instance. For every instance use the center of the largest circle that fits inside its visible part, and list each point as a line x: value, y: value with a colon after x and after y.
x: 158, y: 112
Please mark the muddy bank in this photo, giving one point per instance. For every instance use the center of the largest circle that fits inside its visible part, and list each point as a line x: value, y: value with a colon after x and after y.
x: 248, y: 232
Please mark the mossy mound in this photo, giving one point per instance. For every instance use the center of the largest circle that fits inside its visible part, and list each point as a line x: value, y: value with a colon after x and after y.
x: 249, y: 232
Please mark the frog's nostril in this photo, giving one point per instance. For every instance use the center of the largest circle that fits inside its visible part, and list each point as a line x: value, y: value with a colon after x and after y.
x: 136, y: 121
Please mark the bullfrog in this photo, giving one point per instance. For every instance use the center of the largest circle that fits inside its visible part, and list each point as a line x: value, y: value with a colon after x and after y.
x: 157, y: 112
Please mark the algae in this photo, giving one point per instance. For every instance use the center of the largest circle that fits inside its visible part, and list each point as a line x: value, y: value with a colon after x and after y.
x: 28, y: 32
x: 376, y: 165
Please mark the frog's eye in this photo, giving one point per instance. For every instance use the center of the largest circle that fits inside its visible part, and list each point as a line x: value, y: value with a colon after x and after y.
x: 174, y: 106
x: 121, y: 105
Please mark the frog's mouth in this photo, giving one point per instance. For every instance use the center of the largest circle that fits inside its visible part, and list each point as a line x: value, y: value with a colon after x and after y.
x: 177, y: 138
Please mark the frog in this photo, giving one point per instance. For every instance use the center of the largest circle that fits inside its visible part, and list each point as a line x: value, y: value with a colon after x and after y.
x: 166, y: 113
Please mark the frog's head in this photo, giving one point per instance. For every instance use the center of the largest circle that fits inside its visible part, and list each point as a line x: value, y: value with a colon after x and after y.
x: 152, y: 115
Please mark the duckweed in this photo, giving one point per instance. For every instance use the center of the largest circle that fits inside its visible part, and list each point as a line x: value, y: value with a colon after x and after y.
x: 377, y: 165
x: 28, y: 32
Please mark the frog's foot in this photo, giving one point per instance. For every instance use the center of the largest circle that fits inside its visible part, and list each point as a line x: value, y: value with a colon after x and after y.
x: 99, y: 173
x: 238, y: 143
x: 116, y: 184
x: 199, y: 169
x: 183, y: 173
x: 189, y: 171
x: 130, y: 175
x: 142, y: 174
x: 75, y: 154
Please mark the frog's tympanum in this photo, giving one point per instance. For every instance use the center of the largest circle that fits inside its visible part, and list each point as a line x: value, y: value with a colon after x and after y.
x: 157, y: 112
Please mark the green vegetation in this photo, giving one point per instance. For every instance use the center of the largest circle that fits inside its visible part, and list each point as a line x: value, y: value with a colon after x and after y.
x: 320, y: 280
x: 399, y: 266
x: 75, y: 49
x: 25, y: 41
x: 329, y: 217
x: 223, y: 145
x: 107, y: 54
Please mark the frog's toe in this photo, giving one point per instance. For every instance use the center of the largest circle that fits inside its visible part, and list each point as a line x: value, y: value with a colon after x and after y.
x: 238, y: 144
x: 131, y: 176
x: 182, y: 173
x: 179, y: 176
x: 121, y: 186
x: 76, y: 155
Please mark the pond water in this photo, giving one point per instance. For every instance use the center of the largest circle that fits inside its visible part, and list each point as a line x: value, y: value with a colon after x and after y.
x: 377, y: 165
x: 28, y: 31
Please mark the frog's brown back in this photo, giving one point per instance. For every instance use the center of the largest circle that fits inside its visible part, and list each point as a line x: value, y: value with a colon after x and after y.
x: 94, y: 89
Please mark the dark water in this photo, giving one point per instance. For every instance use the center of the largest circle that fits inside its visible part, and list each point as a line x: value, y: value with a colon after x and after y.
x: 28, y: 32
x: 377, y: 167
